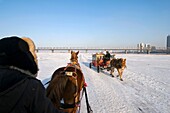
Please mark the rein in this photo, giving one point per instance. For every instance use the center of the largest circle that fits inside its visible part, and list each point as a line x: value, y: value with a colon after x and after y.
x: 89, y: 110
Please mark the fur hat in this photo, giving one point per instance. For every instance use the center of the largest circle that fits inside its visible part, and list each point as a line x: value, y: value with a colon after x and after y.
x: 15, y: 52
x: 31, y: 47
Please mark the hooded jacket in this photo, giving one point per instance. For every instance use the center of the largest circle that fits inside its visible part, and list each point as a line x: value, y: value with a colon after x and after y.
x: 20, y: 91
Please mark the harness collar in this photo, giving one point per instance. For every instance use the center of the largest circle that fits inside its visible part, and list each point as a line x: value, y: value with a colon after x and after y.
x: 67, y: 106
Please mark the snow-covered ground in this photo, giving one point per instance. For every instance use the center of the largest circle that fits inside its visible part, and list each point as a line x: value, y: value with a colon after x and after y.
x: 145, y: 89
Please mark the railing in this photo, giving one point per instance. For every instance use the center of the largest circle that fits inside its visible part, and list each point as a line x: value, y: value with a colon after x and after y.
x: 96, y: 49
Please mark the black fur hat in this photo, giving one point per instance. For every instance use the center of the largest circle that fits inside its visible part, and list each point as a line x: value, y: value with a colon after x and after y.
x: 15, y: 52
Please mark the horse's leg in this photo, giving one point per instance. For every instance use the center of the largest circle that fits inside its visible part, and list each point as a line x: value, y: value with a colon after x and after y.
x: 120, y: 74
x: 112, y: 71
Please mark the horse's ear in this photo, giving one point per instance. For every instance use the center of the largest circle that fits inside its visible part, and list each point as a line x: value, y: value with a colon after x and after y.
x: 77, y: 52
x: 71, y: 52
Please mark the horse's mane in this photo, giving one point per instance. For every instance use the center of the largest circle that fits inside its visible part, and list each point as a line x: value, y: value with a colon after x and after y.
x: 57, y: 86
x: 79, y: 74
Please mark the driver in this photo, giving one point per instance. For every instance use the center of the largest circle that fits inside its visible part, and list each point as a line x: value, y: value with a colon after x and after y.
x: 107, y: 57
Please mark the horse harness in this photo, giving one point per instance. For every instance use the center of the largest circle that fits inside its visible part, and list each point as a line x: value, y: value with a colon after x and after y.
x: 76, y: 103
x: 72, y: 75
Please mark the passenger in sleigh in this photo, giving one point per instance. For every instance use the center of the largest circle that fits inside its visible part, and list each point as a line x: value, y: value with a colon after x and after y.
x: 106, y: 57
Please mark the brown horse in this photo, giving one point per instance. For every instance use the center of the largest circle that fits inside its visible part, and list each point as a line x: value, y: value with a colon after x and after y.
x: 119, y: 64
x: 65, y: 86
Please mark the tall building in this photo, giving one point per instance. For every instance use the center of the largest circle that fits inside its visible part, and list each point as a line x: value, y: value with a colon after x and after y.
x: 168, y: 44
x: 142, y: 47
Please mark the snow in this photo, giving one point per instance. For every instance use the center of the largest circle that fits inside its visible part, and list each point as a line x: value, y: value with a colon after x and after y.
x: 145, y: 89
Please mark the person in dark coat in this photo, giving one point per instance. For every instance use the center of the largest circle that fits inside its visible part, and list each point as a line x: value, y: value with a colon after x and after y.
x: 20, y: 91
x: 107, y: 57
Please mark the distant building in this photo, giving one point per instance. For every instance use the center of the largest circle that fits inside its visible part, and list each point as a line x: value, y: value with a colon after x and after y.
x: 168, y: 44
x: 143, y: 47
x: 153, y: 48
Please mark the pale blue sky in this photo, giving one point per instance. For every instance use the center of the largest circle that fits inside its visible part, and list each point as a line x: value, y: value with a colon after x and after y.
x: 87, y: 23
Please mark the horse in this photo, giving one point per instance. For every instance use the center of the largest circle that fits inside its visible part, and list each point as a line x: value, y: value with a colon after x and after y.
x: 65, y: 86
x: 119, y: 64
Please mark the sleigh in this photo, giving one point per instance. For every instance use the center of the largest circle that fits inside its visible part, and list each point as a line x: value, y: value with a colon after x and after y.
x: 98, y: 62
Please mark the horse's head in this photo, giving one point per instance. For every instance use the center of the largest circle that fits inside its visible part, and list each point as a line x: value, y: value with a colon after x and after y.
x: 64, y: 88
x: 123, y: 61
x: 74, y: 57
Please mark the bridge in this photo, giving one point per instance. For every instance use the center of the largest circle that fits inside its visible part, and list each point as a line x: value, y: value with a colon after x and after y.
x: 92, y: 49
